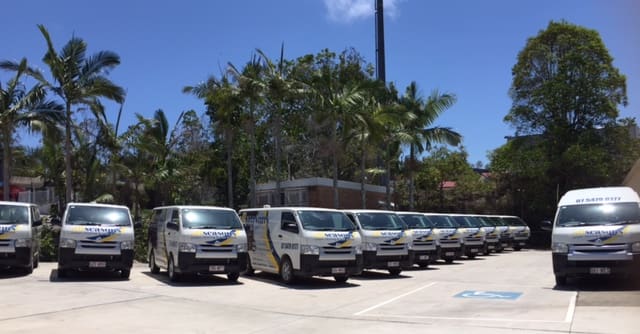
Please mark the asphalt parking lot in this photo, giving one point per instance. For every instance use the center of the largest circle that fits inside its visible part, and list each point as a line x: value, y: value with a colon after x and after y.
x: 511, y: 292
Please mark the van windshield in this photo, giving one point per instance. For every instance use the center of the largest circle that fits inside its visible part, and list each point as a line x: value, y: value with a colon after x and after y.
x: 466, y: 221
x: 325, y: 221
x: 514, y: 221
x: 599, y: 214
x: 380, y: 221
x: 442, y: 221
x: 416, y: 221
x: 14, y: 214
x: 210, y: 219
x: 484, y: 221
x: 97, y: 215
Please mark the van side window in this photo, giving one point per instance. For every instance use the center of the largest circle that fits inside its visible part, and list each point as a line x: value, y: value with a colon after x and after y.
x: 175, y: 216
x: 288, y: 222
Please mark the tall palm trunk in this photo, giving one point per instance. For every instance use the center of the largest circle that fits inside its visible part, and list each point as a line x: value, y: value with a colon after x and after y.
x: 363, y: 159
x: 253, y: 200
x: 276, y: 137
x: 229, y: 143
x: 67, y: 156
x: 412, y: 188
x: 6, y: 164
x: 334, y: 135
x: 388, y: 184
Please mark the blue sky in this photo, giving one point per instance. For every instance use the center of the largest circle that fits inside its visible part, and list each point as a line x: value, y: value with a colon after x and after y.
x: 462, y: 47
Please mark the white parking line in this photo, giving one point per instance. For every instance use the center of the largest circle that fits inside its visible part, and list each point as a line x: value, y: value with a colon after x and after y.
x: 572, y: 308
x: 394, y: 299
x: 464, y: 319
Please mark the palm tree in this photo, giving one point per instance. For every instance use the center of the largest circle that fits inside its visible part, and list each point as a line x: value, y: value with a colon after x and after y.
x: 78, y: 80
x: 221, y: 96
x: 422, y: 136
x: 251, y: 93
x: 21, y: 107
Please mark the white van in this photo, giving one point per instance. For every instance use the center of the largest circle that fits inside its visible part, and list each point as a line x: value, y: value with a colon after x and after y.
x: 386, y: 241
x: 491, y: 234
x: 96, y: 237
x: 425, y: 249
x: 19, y: 242
x: 596, y: 231
x: 197, y: 240
x: 449, y: 238
x: 473, y: 235
x: 297, y: 241
x: 519, y: 231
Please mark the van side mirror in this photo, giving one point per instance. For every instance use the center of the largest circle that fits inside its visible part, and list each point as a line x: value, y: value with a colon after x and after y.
x: 173, y: 226
x: 36, y: 223
x: 56, y: 221
x: 290, y: 226
x: 546, y: 225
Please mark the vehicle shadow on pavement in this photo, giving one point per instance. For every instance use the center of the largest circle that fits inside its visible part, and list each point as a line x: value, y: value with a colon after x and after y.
x: 12, y: 273
x: 381, y: 275
x: 193, y: 280
x: 86, y: 276
x: 416, y: 268
x: 600, y: 284
x: 302, y: 283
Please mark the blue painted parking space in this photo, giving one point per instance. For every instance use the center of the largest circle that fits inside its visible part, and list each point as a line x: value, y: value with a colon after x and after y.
x: 501, y: 295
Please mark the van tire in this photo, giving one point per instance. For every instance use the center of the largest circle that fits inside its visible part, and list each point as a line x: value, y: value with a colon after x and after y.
x: 29, y: 268
x: 448, y: 260
x: 423, y: 264
x: 471, y: 256
x: 171, y: 270
x: 517, y: 248
x: 561, y: 280
x: 152, y: 263
x: 233, y: 276
x: 395, y: 272
x: 341, y: 278
x: 63, y: 273
x: 125, y: 273
x: 286, y: 271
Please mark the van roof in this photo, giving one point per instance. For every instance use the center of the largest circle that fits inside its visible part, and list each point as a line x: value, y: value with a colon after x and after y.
x: 296, y: 208
x: 194, y: 207
x: 599, y: 195
x: 368, y: 211
x: 16, y: 203
x: 97, y: 205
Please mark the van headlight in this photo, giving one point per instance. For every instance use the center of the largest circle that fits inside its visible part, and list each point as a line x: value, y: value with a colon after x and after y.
x: 185, y: 247
x: 635, y: 247
x: 127, y: 244
x: 410, y: 245
x: 369, y: 246
x: 559, y: 247
x: 67, y: 243
x: 241, y: 248
x: 22, y: 243
x: 309, y: 250
x: 359, y: 249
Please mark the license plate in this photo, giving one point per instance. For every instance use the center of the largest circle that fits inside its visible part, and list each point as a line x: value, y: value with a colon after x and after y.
x: 505, y: 245
x: 338, y: 270
x: 491, y: 247
x: 449, y: 253
x: 474, y: 250
x: 521, y: 243
x: 393, y: 264
x: 97, y: 264
x: 424, y: 257
x: 216, y: 268
x: 600, y: 270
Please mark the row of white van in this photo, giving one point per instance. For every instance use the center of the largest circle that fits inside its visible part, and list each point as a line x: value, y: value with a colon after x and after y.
x: 289, y: 241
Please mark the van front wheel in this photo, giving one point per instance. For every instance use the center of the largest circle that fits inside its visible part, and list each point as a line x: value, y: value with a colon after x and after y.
x: 233, y: 277
x: 171, y: 269
x: 395, y: 272
x: 286, y: 271
x: 561, y: 280
x: 125, y: 273
x: 152, y: 263
x: 341, y: 278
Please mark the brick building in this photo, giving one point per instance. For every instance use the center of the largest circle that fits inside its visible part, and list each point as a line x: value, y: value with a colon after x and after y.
x: 318, y: 192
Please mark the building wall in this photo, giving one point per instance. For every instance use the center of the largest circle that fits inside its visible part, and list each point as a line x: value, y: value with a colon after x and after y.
x: 320, y: 196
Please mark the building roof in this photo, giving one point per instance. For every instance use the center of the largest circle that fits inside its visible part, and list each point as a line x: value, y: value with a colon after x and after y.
x: 320, y: 181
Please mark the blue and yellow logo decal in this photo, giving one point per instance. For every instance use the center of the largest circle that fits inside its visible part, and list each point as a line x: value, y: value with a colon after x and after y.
x: 102, y: 234
x: 339, y: 239
x: 221, y: 238
x: 601, y: 236
x: 6, y: 231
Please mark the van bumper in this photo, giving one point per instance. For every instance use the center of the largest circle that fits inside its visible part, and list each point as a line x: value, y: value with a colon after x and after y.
x: 563, y: 267
x: 450, y: 253
x: 423, y: 257
x: 20, y: 258
x: 472, y: 250
x: 68, y: 259
x: 311, y: 265
x: 188, y: 263
x: 374, y: 261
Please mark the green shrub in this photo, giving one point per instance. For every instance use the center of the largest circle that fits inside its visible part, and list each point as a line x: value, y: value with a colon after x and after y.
x: 49, y: 237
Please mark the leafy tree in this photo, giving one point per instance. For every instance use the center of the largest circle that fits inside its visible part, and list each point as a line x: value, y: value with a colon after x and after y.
x: 21, y: 107
x: 566, y: 94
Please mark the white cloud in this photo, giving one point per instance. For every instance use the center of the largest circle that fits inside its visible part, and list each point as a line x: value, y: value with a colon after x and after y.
x: 351, y: 10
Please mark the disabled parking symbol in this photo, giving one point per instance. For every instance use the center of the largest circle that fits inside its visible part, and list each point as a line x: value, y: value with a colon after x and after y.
x: 501, y: 295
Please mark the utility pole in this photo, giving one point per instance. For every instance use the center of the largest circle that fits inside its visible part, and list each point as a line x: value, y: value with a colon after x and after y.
x: 380, y: 68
